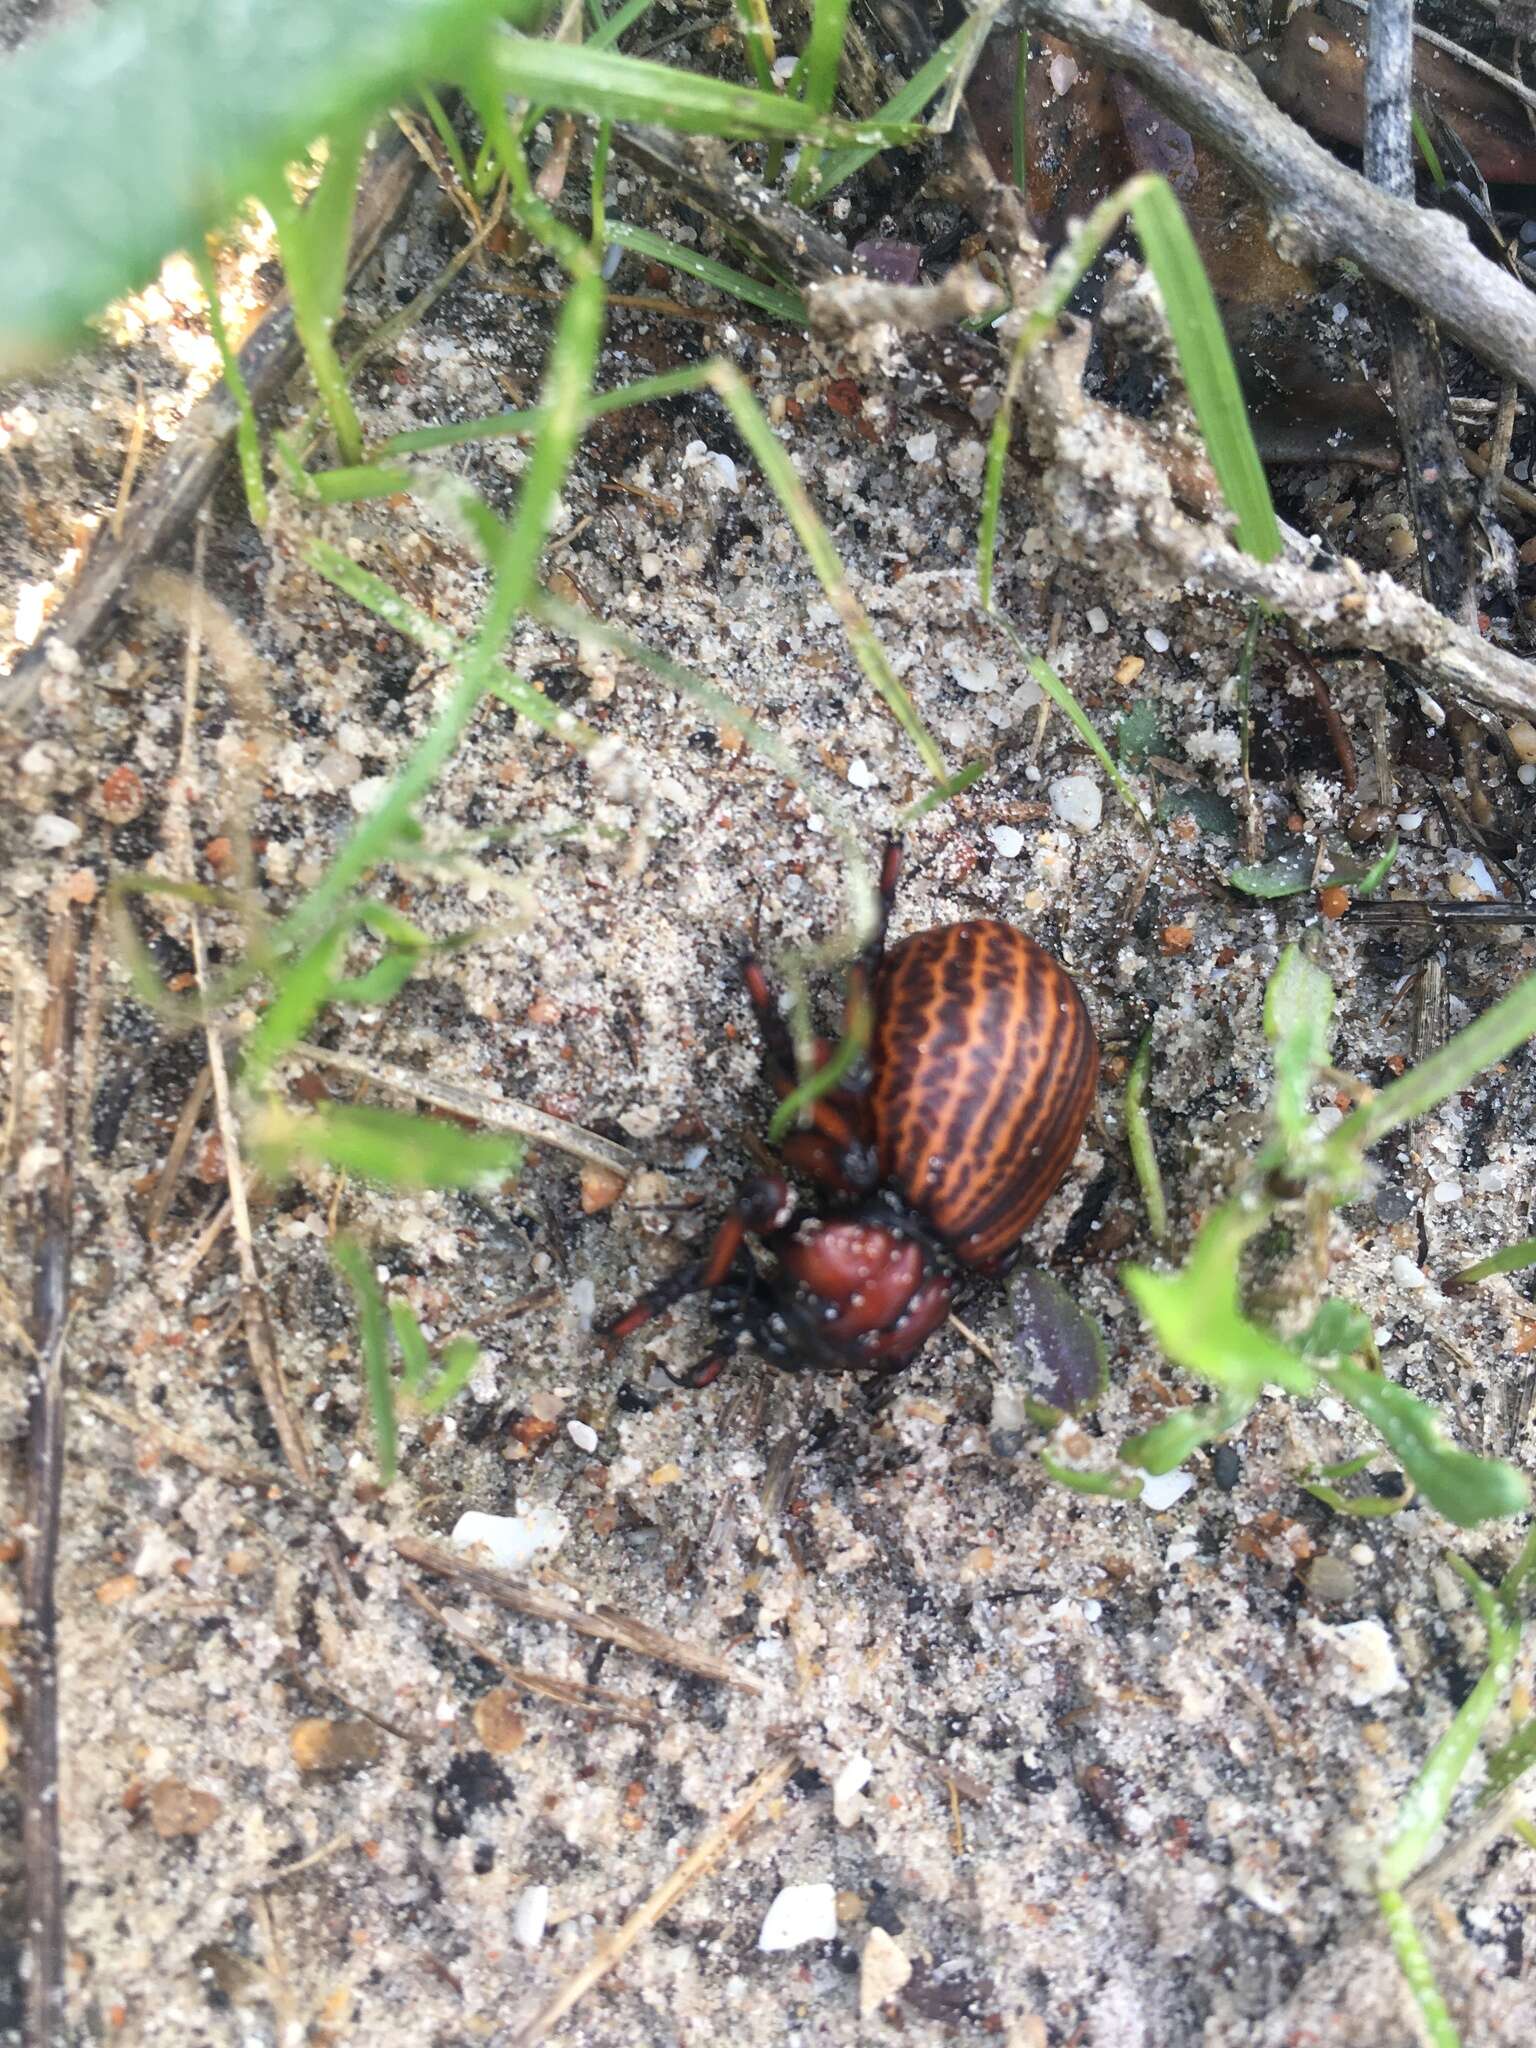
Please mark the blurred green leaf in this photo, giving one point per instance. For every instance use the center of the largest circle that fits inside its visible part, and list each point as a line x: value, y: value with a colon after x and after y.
x: 1138, y: 734
x: 381, y: 1145
x: 1059, y: 1346
x: 415, y: 1358
x: 140, y: 126
x: 1165, y: 1446
x: 1465, y: 1489
x: 1298, y: 1017
x: 353, y: 1262
x: 1196, y: 1317
x: 1514, y: 1258
x: 1338, y: 1330
x: 1212, y: 813
x: 460, y: 1357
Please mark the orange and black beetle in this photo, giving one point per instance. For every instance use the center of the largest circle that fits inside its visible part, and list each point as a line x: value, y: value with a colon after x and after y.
x: 936, y: 1159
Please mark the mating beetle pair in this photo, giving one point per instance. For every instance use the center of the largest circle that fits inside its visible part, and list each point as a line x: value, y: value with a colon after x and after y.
x: 935, y: 1160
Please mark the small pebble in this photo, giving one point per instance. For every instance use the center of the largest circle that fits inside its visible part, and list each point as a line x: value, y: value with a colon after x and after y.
x: 1160, y: 1490
x: 884, y: 1970
x: 1156, y: 639
x: 1226, y: 1467
x: 1447, y: 1192
x: 582, y: 1435
x: 1008, y: 840
x: 1393, y: 1205
x: 1407, y: 1274
x: 175, y: 1809
x: 1366, y: 1666
x: 51, y: 832
x: 1330, y: 1580
x: 330, y: 1748
x: 1078, y: 802
x: 800, y: 1913
x: 497, y: 1721
x: 530, y: 1916
x: 1098, y: 621
x: 1522, y: 737
x: 1410, y: 820
x: 923, y: 447
x: 859, y: 774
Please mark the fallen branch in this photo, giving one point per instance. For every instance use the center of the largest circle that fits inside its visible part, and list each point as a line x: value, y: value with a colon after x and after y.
x: 1323, y: 211
x: 1112, y: 506
x: 600, y: 1622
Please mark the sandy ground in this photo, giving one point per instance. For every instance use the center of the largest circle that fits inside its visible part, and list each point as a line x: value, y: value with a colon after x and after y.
x: 1122, y: 1769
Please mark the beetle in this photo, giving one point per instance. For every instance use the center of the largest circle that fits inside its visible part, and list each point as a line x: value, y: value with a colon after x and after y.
x: 933, y: 1158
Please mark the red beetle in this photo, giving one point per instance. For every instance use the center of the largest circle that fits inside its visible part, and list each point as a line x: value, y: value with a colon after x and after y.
x: 936, y: 1158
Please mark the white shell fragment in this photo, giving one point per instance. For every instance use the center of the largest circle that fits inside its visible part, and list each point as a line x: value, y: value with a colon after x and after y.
x: 1364, y: 1666
x: 1160, y: 1490
x: 512, y: 1540
x: 848, y: 1791
x: 530, y: 1916
x: 800, y: 1913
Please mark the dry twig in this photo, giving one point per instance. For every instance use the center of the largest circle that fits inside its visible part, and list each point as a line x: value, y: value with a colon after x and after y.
x: 495, y: 1113
x: 660, y: 1903
x: 565, y: 1692
x: 600, y: 1622
x: 50, y: 1205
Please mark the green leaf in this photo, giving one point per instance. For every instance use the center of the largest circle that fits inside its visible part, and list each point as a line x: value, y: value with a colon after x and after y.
x: 1165, y: 1446
x: 1287, y: 875
x: 838, y: 166
x: 1465, y: 1489
x: 139, y: 127
x: 1206, y: 362
x: 1338, y: 1330
x: 1298, y: 1016
x: 1196, y: 1316
x: 1514, y: 1258
x: 1138, y: 1132
x: 413, y: 1346
x: 1059, y: 1345
x: 1212, y: 813
x: 1138, y: 735
x: 460, y: 1357
x: 353, y: 1261
x: 787, y: 306
x: 615, y: 88
x: 382, y: 1145
x: 1103, y: 1485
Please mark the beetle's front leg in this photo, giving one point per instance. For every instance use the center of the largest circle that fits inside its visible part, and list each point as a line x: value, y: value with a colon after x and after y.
x: 764, y: 1206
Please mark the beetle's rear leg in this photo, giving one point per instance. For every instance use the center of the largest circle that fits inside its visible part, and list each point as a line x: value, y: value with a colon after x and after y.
x: 764, y: 1206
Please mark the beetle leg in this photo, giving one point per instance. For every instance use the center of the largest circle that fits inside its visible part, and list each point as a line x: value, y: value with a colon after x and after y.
x: 764, y: 1205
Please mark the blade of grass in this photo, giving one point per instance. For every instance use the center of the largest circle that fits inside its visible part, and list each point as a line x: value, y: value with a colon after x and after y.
x: 397, y: 612
x: 752, y: 424
x: 786, y: 306
x: 523, y: 425
x: 1138, y: 1131
x: 583, y: 80
x: 818, y: 71
x: 910, y: 100
x: 1457, y: 1064
x: 247, y: 434
x: 460, y: 1357
x: 416, y: 1360
x: 382, y: 1146
x: 757, y: 40
x: 514, y: 563
x: 1064, y: 700
x: 1513, y: 1258
x: 357, y: 1269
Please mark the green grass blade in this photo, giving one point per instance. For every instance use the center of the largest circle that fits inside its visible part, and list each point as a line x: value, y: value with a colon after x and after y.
x: 641, y: 242
x: 1298, y: 1019
x: 416, y: 1360
x: 818, y: 76
x: 386, y: 603
x: 580, y: 79
x: 138, y: 128
x: 247, y: 434
x: 1210, y: 376
x: 752, y: 424
x: 757, y: 40
x: 1439, y: 2030
x: 460, y: 1357
x: 353, y: 1262
x: 1455, y: 1066
x: 925, y: 84
x: 1138, y: 1131
x: 515, y: 565
x: 381, y: 1145
x: 1514, y: 1258
x: 525, y: 424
